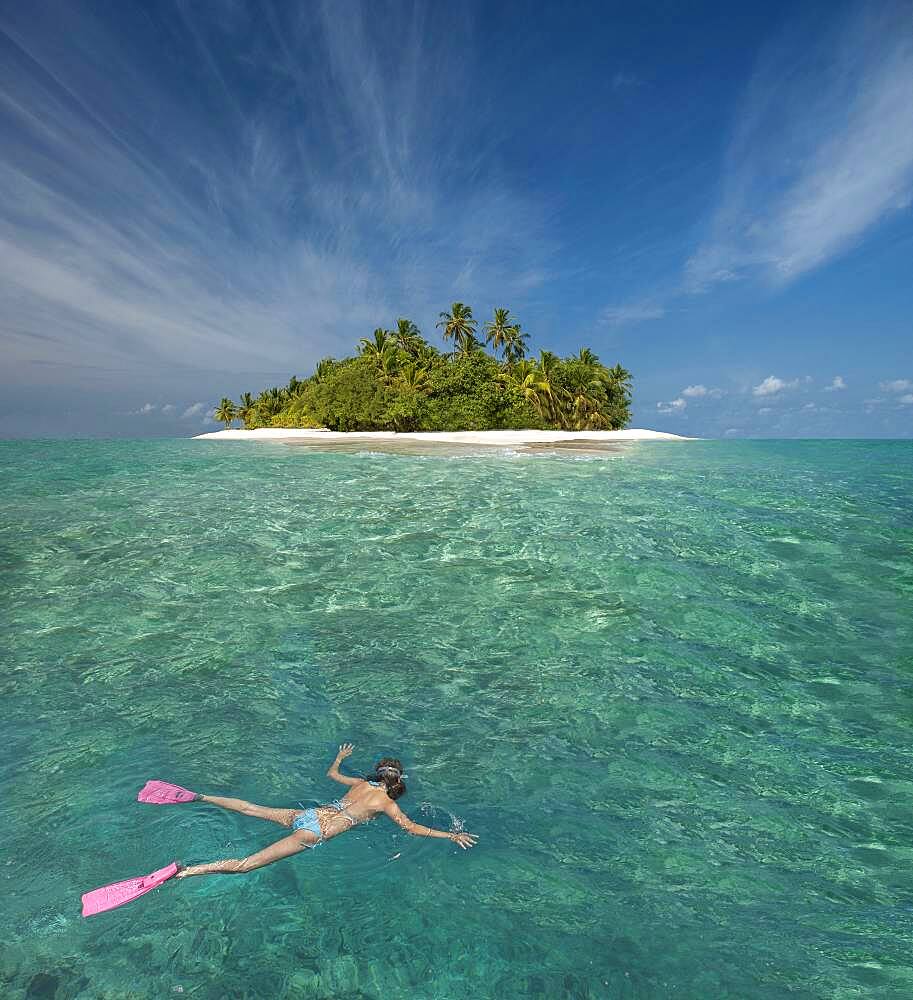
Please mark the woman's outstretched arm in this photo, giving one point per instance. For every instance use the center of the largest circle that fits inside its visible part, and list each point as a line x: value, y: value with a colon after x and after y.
x: 465, y: 840
x: 344, y: 751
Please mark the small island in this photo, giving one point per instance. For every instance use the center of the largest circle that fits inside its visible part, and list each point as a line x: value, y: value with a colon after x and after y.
x: 399, y: 382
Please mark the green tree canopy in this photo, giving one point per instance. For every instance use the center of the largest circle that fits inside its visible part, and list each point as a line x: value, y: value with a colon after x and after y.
x: 398, y: 381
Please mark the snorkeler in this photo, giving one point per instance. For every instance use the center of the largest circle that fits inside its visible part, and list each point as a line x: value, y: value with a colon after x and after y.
x: 367, y: 798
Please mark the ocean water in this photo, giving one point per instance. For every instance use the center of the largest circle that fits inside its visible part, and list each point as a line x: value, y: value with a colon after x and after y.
x: 670, y: 687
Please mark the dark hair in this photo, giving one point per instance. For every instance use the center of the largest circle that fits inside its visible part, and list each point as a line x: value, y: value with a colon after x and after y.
x: 389, y: 773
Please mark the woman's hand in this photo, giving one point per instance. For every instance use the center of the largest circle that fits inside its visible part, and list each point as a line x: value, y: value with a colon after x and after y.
x: 345, y: 750
x: 465, y: 840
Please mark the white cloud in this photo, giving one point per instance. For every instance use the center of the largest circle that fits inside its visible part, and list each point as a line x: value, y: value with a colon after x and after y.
x: 802, y: 180
x: 701, y: 391
x: 635, y: 312
x: 773, y: 385
x: 764, y: 411
x: 896, y: 385
x: 148, y: 408
x: 837, y: 383
x: 675, y: 406
x: 732, y: 431
x: 194, y: 410
x: 810, y: 407
x: 907, y: 399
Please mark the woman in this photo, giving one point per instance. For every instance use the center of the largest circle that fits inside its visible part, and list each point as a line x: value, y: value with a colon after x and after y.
x: 368, y: 797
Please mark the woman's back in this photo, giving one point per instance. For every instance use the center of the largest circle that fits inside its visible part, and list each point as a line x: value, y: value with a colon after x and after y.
x: 361, y: 803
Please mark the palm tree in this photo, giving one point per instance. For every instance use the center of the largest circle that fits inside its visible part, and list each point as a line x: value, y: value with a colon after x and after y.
x: 269, y: 403
x: 427, y: 353
x: 374, y: 348
x: 583, y: 402
x: 515, y: 346
x: 497, y: 330
x: 547, y: 361
x: 387, y: 363
x: 413, y: 378
x: 616, y: 387
x: 584, y: 413
x: 245, y: 408
x: 551, y: 394
x: 295, y: 387
x: 225, y: 412
x: 472, y: 345
x: 620, y: 376
x: 323, y: 368
x: 459, y: 326
x: 527, y: 380
x: 523, y: 367
x: 407, y: 337
x: 587, y: 357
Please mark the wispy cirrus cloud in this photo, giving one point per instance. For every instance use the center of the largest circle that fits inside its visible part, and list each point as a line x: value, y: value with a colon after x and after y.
x: 822, y: 149
x: 634, y: 312
x: 270, y: 202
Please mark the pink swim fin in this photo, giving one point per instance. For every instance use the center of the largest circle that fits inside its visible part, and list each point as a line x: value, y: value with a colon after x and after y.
x: 160, y: 793
x: 110, y: 896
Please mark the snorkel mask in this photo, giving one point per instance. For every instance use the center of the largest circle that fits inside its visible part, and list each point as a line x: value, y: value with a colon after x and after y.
x: 389, y: 769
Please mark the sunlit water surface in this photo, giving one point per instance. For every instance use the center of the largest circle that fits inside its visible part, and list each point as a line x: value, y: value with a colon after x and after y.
x: 670, y: 687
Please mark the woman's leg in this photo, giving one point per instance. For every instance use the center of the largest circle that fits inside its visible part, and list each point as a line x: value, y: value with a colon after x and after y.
x: 284, y: 817
x: 275, y: 852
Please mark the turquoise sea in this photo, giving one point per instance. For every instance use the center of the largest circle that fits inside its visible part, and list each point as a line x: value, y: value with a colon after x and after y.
x: 669, y: 686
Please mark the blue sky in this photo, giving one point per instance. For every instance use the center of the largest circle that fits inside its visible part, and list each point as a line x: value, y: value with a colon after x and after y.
x: 198, y: 199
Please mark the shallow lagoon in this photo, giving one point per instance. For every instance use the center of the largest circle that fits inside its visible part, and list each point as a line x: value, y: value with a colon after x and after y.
x: 670, y: 687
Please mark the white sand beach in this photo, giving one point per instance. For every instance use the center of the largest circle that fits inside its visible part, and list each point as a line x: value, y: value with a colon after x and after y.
x: 499, y: 439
